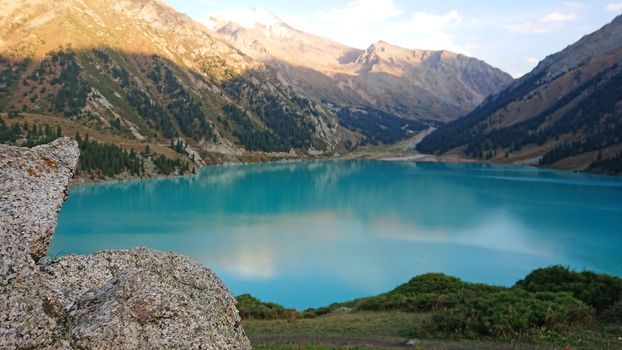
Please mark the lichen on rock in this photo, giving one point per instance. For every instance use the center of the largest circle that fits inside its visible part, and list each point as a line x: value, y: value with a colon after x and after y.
x: 33, y: 187
x: 135, y: 299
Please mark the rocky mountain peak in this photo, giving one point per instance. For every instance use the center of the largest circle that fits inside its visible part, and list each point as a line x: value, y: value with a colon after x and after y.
x: 380, y: 50
x: 379, y: 46
x: 252, y: 18
x: 393, y: 54
x: 383, y: 74
x: 382, y: 56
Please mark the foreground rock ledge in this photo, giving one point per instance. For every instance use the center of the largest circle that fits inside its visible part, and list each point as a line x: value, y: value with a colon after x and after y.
x: 136, y: 299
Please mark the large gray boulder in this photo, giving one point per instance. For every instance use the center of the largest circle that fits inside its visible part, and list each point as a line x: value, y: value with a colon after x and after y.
x: 136, y: 299
x: 144, y: 299
x: 33, y: 187
x: 24, y: 321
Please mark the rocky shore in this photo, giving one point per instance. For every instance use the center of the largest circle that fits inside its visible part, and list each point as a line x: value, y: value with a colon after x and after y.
x: 137, y: 299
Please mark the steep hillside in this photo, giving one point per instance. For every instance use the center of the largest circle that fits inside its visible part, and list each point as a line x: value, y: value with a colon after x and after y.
x: 566, y: 113
x: 433, y: 85
x: 139, y: 70
x: 429, y: 86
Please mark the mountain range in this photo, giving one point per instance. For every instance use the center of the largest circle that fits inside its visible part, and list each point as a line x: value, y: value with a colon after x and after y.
x: 146, y: 74
x: 566, y: 113
x: 248, y: 86
x: 414, y: 84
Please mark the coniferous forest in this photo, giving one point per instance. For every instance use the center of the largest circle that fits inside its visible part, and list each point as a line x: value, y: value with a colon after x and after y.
x: 593, y: 124
x: 97, y: 160
x: 377, y: 126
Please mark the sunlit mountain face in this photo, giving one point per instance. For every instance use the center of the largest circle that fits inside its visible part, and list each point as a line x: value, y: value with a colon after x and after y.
x: 142, y: 73
x: 416, y: 84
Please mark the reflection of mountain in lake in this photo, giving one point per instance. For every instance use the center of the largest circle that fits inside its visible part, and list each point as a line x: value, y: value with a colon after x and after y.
x: 292, y: 232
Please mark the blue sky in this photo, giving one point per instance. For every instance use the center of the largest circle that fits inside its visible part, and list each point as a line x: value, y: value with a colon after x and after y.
x: 512, y: 35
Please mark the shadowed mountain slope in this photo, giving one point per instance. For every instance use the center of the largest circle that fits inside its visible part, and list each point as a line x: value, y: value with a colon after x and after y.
x: 566, y: 113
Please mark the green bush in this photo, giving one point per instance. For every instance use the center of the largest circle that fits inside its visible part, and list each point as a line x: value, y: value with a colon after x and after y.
x: 511, y: 314
x: 252, y: 308
x: 550, y: 304
x: 613, y: 314
x: 424, y: 293
x: 596, y: 290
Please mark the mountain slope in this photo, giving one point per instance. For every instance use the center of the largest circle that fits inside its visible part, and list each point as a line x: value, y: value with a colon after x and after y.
x: 261, y: 35
x: 436, y: 85
x: 566, y: 113
x: 414, y: 84
x: 139, y: 69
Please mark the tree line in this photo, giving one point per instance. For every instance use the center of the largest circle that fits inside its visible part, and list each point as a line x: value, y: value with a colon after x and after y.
x: 73, y: 91
x: 98, y: 160
x: 287, y: 127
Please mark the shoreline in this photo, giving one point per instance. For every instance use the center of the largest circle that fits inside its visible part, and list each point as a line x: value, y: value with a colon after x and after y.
x: 80, y: 181
x: 413, y: 158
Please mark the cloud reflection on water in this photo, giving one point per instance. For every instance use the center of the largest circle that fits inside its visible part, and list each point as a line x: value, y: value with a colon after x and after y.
x: 328, y: 230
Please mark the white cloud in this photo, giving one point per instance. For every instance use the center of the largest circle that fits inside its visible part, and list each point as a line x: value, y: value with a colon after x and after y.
x: 574, y: 4
x: 246, y: 17
x: 247, y: 263
x: 546, y: 24
x: 427, y: 31
x: 433, y: 22
x: 363, y: 10
x: 559, y: 17
x: 527, y: 28
x: 614, y: 7
x: 362, y: 22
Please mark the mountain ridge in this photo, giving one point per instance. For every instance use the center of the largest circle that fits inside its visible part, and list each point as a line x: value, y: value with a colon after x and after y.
x: 139, y: 70
x: 383, y: 76
x: 566, y: 113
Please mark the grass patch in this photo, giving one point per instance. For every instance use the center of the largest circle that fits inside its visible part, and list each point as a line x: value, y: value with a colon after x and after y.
x: 340, y: 324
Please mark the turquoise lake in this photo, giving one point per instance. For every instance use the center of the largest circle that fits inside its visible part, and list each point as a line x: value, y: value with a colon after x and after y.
x: 306, y: 234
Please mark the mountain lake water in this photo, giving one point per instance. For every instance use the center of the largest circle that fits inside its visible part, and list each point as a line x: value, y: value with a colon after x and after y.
x: 307, y: 234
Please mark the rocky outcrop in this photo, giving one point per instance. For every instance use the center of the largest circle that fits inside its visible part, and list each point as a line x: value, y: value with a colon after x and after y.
x: 137, y: 299
x: 143, y: 299
x: 34, y: 185
x: 24, y: 323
